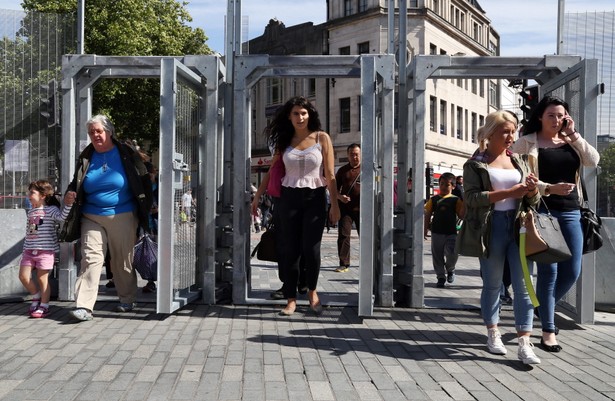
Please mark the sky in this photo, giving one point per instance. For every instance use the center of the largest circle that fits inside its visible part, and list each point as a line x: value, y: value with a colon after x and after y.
x: 527, y: 28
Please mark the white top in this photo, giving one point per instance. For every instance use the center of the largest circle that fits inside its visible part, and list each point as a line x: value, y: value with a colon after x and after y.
x: 187, y: 200
x: 304, y: 167
x: 503, y: 178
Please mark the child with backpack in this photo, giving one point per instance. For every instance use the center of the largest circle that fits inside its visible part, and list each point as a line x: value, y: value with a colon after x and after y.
x: 441, y: 214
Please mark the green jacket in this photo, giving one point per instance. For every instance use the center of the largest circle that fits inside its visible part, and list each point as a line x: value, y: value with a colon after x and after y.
x: 473, y: 239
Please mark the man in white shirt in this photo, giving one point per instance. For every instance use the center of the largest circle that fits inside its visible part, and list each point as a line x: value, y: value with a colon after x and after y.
x: 187, y: 203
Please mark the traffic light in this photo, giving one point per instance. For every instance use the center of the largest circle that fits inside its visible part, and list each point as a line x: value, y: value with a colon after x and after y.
x: 529, y: 100
x: 49, y: 104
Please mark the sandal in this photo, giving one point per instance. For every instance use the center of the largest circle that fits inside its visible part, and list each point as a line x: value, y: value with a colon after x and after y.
x: 40, y: 312
x: 34, y: 306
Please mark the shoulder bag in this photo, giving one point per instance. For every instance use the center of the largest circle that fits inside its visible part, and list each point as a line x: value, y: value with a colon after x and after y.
x: 591, y: 224
x: 544, y: 241
x: 266, y: 248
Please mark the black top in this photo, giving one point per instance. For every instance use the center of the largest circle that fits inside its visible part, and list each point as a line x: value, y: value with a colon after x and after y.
x: 560, y: 165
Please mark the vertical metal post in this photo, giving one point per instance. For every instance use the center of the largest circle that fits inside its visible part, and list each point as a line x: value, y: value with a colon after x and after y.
x: 81, y: 27
x: 560, y: 25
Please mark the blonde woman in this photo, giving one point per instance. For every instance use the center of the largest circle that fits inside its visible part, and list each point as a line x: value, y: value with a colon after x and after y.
x: 496, y: 182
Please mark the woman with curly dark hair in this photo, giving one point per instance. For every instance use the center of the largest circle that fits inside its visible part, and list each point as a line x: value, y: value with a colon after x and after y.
x: 307, y: 152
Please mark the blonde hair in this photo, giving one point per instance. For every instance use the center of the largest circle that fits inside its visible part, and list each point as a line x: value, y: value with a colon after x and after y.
x: 493, y: 121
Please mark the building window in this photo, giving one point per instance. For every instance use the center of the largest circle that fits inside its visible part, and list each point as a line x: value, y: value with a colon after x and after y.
x: 459, y: 123
x: 345, y: 114
x: 274, y: 91
x: 493, y: 94
x: 478, y: 32
x: 474, y: 128
x: 442, y: 52
x: 311, y: 87
x: 345, y: 51
x: 362, y: 5
x: 465, y: 125
x: 436, y: 6
x: 433, y: 50
x: 347, y: 8
x: 413, y: 4
x: 481, y: 83
x: 359, y: 111
x: 474, y: 86
x: 432, y: 113
x: 442, y: 117
x: 460, y: 82
x: 453, y: 120
x: 363, y: 48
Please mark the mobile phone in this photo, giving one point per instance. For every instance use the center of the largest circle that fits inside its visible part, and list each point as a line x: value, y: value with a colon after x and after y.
x: 565, y: 123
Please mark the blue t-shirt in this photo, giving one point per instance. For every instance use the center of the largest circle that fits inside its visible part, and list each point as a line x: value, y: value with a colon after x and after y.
x: 106, y: 186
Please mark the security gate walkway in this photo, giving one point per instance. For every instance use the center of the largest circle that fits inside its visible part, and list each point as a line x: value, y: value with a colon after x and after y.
x: 205, y: 145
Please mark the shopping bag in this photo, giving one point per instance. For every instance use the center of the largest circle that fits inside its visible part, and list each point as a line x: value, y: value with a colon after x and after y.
x: 145, y: 258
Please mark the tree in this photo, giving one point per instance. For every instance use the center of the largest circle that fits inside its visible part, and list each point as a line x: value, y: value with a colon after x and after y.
x: 132, y: 28
x: 606, y: 182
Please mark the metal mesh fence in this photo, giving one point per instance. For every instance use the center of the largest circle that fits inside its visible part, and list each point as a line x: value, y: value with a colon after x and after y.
x: 31, y: 52
x: 187, y: 115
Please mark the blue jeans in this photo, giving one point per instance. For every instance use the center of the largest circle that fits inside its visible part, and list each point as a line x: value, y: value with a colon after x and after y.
x: 555, y: 280
x: 502, y: 246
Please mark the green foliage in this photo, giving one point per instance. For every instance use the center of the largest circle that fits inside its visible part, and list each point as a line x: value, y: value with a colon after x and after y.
x: 132, y: 28
x: 606, y: 178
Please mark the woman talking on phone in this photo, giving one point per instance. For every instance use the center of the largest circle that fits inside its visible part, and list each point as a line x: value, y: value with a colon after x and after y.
x: 556, y: 153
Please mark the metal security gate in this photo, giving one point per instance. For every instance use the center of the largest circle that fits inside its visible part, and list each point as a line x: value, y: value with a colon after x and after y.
x: 376, y: 213
x: 377, y: 80
x: 189, y: 145
x: 566, y: 76
x: 180, y: 90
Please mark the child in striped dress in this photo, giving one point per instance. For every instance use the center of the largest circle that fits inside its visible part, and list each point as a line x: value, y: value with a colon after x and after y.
x: 41, y: 243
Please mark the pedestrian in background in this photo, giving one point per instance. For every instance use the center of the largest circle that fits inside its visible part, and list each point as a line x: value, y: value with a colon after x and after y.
x: 496, y: 183
x: 348, y: 179
x: 441, y: 214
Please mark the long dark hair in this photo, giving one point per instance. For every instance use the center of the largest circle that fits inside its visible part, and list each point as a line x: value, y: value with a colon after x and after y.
x: 281, y: 129
x: 45, y: 189
x: 535, y: 124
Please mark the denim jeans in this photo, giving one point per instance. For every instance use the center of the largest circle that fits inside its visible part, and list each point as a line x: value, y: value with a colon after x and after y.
x: 502, y: 246
x: 555, y: 280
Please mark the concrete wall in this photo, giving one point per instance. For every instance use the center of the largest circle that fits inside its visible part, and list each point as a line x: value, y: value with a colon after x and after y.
x: 13, y: 223
x: 605, y: 267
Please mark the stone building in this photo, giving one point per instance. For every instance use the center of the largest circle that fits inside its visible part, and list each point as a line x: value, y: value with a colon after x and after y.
x: 442, y: 27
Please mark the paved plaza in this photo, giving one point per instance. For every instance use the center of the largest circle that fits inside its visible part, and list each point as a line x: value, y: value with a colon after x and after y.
x: 249, y: 352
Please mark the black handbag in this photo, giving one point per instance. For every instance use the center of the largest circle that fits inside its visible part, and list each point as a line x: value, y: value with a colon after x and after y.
x: 591, y: 224
x: 544, y: 241
x: 266, y: 248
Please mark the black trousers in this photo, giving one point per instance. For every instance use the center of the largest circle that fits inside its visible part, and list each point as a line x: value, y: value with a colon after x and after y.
x: 302, y: 215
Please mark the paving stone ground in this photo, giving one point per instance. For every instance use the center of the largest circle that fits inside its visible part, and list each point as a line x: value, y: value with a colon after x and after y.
x: 249, y: 352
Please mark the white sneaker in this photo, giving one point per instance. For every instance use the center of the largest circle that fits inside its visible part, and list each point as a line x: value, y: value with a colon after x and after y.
x: 494, y: 342
x: 525, y: 352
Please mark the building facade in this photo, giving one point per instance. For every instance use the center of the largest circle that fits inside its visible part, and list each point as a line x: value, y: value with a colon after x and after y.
x: 457, y: 107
